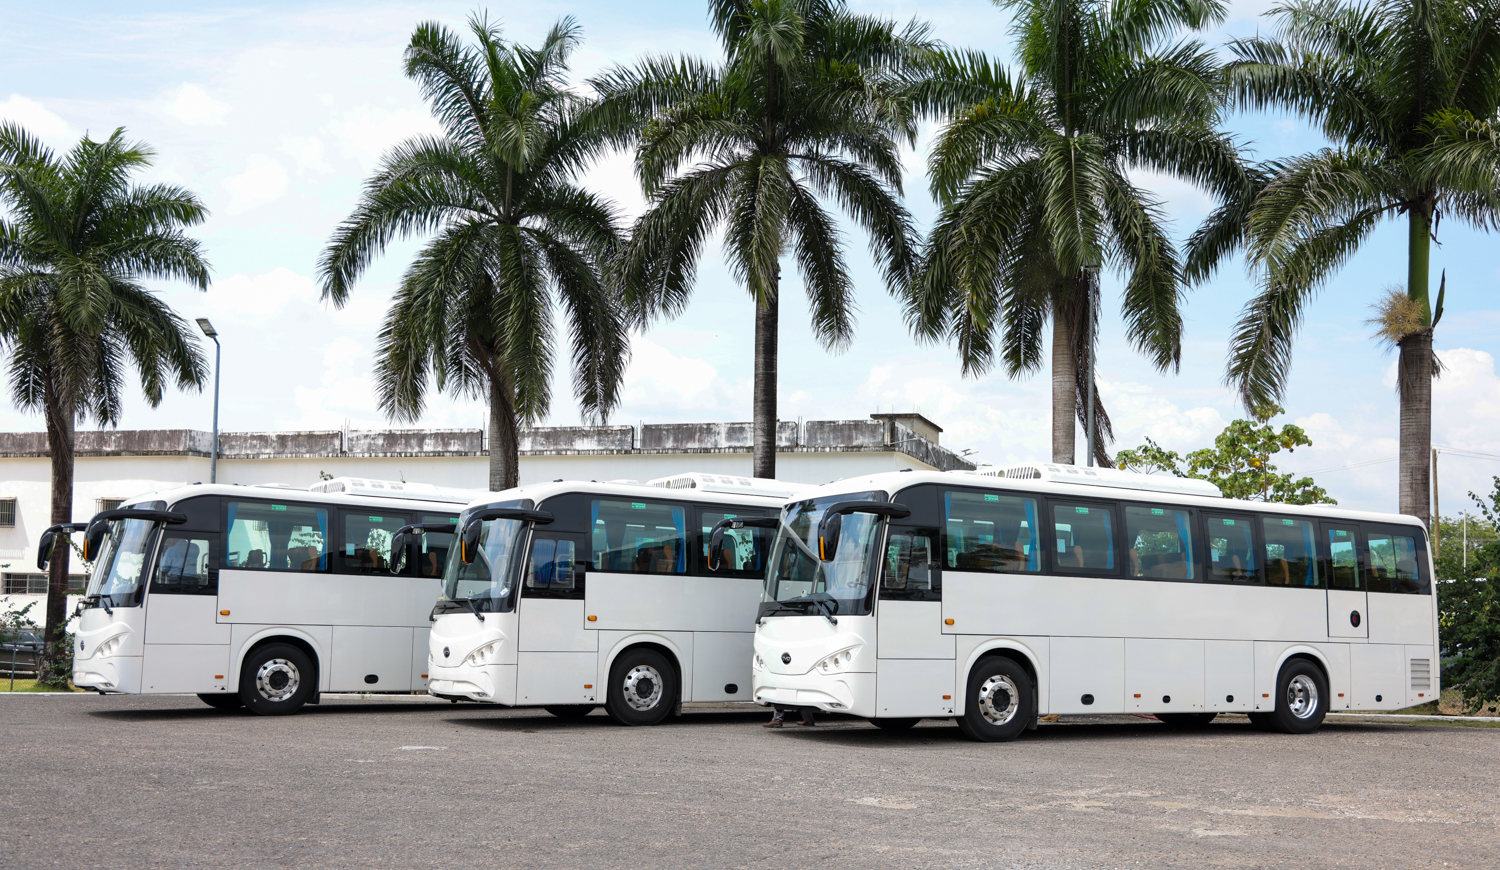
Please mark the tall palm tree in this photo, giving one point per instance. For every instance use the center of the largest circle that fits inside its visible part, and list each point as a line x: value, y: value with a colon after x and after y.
x: 1409, y: 92
x: 804, y: 108
x: 1032, y: 173
x: 509, y: 226
x: 76, y: 240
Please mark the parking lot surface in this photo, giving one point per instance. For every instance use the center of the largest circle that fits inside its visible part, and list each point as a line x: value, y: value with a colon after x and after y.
x: 166, y: 782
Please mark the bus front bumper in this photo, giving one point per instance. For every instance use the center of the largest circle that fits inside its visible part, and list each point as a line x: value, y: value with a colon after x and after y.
x: 837, y: 693
x: 491, y: 684
x: 109, y: 674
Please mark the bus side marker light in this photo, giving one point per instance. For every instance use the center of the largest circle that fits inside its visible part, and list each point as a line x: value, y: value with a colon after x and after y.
x: 588, y: 685
x: 947, y: 697
x: 1341, y: 694
x: 947, y: 622
x: 1420, y: 695
x: 1265, y: 694
x: 424, y: 676
x: 223, y: 613
x: 593, y: 619
x: 1137, y: 694
x: 218, y: 676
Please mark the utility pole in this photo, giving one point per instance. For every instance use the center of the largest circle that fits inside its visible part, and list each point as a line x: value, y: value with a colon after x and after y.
x: 1437, y: 512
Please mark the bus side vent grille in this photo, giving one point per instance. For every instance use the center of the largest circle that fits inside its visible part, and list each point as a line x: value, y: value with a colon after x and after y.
x: 1421, y: 674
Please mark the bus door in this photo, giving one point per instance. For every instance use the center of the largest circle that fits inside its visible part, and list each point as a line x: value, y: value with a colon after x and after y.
x: 914, y: 656
x: 187, y: 648
x: 1347, y: 603
x: 557, y: 657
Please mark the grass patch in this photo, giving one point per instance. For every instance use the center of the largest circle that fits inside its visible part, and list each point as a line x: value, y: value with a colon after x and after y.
x: 31, y: 686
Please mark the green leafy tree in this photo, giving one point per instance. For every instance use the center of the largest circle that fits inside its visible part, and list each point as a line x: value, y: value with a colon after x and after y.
x: 1469, y: 611
x: 1239, y: 463
x: 1409, y: 92
x: 509, y: 228
x: 77, y: 238
x: 803, y: 109
x: 1033, y: 175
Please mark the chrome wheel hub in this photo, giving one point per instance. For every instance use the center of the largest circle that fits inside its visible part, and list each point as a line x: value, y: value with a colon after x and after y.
x: 1302, y: 696
x: 643, y: 687
x: 998, y: 700
x: 277, y: 680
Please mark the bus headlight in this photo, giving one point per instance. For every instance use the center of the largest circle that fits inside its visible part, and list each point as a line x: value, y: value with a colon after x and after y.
x: 760, y: 663
x: 836, y: 662
x: 485, y: 654
x: 109, y: 647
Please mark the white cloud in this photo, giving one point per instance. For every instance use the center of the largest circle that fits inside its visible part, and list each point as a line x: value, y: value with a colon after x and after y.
x: 191, y: 104
x: 260, y: 299
x: 307, y: 151
x: 367, y: 133
x: 264, y: 180
x: 38, y: 120
x: 659, y: 380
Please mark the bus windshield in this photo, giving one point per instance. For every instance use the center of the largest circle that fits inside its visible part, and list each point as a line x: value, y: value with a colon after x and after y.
x: 798, y: 582
x: 489, y: 581
x: 119, y: 571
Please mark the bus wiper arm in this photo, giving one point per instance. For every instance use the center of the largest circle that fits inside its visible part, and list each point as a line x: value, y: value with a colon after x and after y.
x: 474, y: 607
x: 104, y: 602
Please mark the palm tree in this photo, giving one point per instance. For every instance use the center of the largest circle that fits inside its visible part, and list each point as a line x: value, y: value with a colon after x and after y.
x: 509, y: 227
x: 1031, y: 172
x: 1408, y: 91
x: 75, y: 243
x: 804, y: 108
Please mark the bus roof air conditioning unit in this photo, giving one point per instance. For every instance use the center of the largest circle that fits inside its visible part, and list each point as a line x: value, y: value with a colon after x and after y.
x: 1110, y: 477
x: 396, y: 489
x: 730, y: 483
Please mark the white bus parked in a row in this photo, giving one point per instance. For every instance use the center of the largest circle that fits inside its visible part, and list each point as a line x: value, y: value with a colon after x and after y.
x: 569, y: 595
x: 261, y: 595
x: 1033, y: 590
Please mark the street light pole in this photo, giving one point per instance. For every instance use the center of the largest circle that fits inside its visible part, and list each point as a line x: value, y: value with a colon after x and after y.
x: 213, y: 461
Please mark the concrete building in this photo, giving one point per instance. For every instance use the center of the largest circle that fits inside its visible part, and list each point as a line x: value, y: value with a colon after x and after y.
x: 118, y: 464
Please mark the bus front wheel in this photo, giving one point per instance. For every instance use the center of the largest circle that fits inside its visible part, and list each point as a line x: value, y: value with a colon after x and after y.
x: 642, y: 688
x: 277, y: 679
x: 1000, y: 702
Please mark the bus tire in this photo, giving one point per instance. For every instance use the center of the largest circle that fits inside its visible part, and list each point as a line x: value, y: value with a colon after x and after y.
x: 1186, y: 721
x: 893, y: 724
x: 570, y: 711
x: 1000, y: 702
x: 1301, y: 698
x: 642, y: 688
x: 222, y: 702
x: 277, y: 679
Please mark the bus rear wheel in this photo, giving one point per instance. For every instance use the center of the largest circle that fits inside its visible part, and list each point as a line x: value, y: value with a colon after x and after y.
x: 1000, y: 702
x: 642, y: 688
x: 222, y: 702
x: 1301, y: 699
x: 277, y: 679
x: 570, y: 711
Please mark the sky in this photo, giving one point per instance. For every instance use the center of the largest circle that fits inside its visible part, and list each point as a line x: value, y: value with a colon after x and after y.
x: 274, y: 114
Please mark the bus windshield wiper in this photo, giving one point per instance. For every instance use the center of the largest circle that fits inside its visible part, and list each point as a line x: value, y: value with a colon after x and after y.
x: 104, y: 602
x: 474, y: 607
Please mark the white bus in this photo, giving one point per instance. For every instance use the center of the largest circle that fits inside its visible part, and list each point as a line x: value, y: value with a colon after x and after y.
x: 1048, y: 589
x: 262, y: 596
x: 567, y: 595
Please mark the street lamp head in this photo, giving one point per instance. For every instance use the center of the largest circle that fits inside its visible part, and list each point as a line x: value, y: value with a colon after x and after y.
x: 208, y: 328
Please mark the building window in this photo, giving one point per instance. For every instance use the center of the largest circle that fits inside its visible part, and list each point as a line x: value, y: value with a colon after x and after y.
x: 7, y: 513
x: 109, y: 504
x: 36, y: 584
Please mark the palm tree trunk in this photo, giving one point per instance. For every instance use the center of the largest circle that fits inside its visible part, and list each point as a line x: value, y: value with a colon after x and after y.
x: 1064, y: 384
x: 60, y: 427
x: 763, y: 460
x: 1415, y: 373
x: 505, y: 456
x: 1414, y: 385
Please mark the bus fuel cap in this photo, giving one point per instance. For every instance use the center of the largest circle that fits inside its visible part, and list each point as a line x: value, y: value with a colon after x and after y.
x: 786, y: 658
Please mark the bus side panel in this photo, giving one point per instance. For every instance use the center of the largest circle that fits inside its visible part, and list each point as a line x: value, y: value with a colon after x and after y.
x: 363, y: 652
x: 319, y: 637
x: 1379, y: 676
x: 1397, y: 618
x: 1271, y: 655
x: 1422, y: 670
x: 722, y: 659
x: 1229, y: 676
x: 293, y: 598
x: 671, y: 602
x: 187, y: 619
x: 195, y: 668
x: 419, y: 654
x: 913, y: 687
x: 556, y: 678
x: 1164, y: 676
x: 1088, y: 669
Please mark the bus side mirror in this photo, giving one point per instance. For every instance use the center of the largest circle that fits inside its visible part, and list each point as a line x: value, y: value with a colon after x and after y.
x: 93, y: 540
x: 404, y: 537
x: 468, y: 542
x: 716, y: 546
x: 828, y: 536
x: 44, y: 549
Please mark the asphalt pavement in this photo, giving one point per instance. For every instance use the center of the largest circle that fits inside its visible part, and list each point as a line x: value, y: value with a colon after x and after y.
x: 166, y: 782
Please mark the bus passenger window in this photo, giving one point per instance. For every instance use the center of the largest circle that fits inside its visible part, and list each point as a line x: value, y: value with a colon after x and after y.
x: 911, y: 568
x: 432, y: 555
x: 1159, y: 543
x: 276, y: 537
x: 1291, y: 553
x: 1393, y: 563
x: 638, y: 537
x: 186, y: 566
x: 551, y: 566
x: 989, y: 532
x: 1344, y: 559
x: 1085, y: 538
x: 743, y: 552
x: 367, y: 543
x: 1231, y: 549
